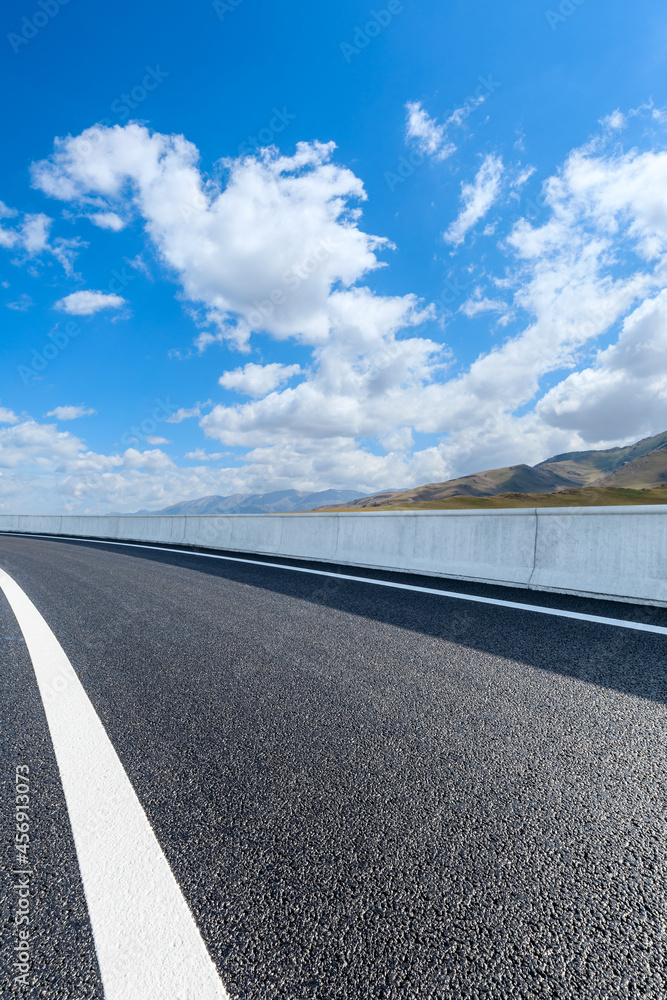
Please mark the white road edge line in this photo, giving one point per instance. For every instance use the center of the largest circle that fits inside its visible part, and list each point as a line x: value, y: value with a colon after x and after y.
x: 147, y: 943
x: 557, y: 612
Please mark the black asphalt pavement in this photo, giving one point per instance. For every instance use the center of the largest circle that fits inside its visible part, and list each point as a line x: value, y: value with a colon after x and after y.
x: 362, y: 792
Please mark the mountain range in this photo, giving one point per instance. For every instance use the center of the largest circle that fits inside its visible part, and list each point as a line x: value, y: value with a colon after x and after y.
x: 639, y: 466
x: 278, y: 502
x: 588, y: 477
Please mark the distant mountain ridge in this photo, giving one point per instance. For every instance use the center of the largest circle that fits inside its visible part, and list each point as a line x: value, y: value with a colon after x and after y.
x: 277, y: 502
x: 638, y: 466
x: 611, y: 458
x: 642, y: 465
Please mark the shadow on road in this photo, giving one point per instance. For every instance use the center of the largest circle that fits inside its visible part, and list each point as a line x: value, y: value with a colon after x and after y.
x: 626, y: 660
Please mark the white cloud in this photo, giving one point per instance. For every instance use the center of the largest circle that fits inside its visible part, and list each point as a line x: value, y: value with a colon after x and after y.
x: 598, y: 258
x: 431, y: 138
x: 108, y: 220
x: 70, y: 412
x: 615, y: 192
x: 615, y: 121
x: 258, y: 380
x: 237, y: 334
x: 22, y: 304
x: 30, y: 238
x: 594, y: 263
x: 6, y: 212
x: 35, y: 233
x: 43, y: 469
x: 152, y: 439
x: 565, y: 279
x: 477, y: 199
x: 183, y: 413
x: 7, y: 416
x: 43, y: 446
x: 476, y: 305
x: 86, y: 303
x: 398, y: 439
x: 263, y: 252
x: 363, y: 378
x: 199, y: 455
x: 522, y: 176
x: 624, y: 394
x: 29, y: 443
x: 139, y: 264
x: 152, y: 461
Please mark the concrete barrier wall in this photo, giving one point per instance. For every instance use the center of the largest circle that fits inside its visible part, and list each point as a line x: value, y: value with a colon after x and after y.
x: 613, y: 552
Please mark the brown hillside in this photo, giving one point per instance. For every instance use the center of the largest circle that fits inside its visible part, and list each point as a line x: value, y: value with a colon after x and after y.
x: 513, y: 478
x: 586, y: 496
x: 610, y: 459
x: 643, y: 473
x: 638, y: 466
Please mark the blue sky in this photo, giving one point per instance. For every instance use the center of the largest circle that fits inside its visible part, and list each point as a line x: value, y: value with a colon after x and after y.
x: 249, y: 245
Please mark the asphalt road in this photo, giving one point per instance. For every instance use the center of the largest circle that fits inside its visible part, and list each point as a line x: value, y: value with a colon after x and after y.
x: 361, y: 792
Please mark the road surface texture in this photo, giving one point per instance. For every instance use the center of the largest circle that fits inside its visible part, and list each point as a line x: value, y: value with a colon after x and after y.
x: 361, y: 792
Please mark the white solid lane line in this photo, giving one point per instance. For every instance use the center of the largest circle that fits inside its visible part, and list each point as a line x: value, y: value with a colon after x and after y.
x: 517, y: 605
x: 147, y: 943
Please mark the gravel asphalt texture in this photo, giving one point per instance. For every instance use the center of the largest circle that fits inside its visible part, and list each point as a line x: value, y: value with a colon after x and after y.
x: 362, y: 792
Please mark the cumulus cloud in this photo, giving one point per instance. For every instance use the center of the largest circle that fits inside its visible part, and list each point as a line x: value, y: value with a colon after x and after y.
x: 39, y: 463
x: 34, y: 233
x: 44, y: 469
x: 86, y: 303
x: 258, y: 380
x: 29, y: 237
x: 593, y: 263
x: 152, y: 460
x: 70, y: 412
x: 263, y: 251
x: 615, y: 193
x: 363, y: 377
x: 7, y: 416
x: 625, y: 388
x: 398, y: 439
x: 596, y: 258
x: 477, y: 198
x: 564, y: 277
x: 108, y: 220
x: 29, y: 443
